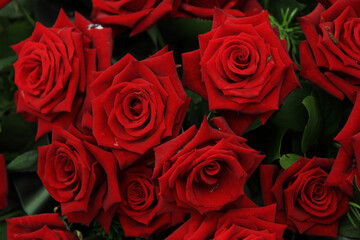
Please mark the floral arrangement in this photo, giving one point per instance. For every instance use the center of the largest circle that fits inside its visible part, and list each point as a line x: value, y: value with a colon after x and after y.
x: 179, y: 119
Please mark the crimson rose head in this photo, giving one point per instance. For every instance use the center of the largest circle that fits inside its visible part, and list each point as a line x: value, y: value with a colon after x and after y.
x: 242, y: 68
x: 52, y: 68
x: 304, y: 202
x: 43, y: 226
x: 330, y: 57
x: 138, y: 105
x: 138, y: 211
x: 203, y: 170
x: 81, y: 176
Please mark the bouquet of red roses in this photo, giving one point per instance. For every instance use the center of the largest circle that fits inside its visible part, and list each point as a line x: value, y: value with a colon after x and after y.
x: 180, y: 119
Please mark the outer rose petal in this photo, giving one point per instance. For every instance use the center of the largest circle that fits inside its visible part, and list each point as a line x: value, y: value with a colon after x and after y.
x: 43, y: 226
x: 259, y: 221
x: 120, y: 15
x: 201, y: 9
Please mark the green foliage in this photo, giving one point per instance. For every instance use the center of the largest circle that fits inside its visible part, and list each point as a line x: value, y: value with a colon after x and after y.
x: 287, y: 160
x: 24, y: 163
x: 198, y: 108
x: 313, y: 127
x: 289, y: 30
x: 33, y: 196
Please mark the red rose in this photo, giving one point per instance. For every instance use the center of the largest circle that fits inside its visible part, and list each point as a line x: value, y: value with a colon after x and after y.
x: 52, y: 69
x: 4, y: 183
x: 205, y: 9
x: 203, y: 170
x: 137, y: 15
x: 347, y: 162
x: 138, y: 210
x: 304, y: 201
x: 3, y: 3
x: 74, y: 172
x: 138, y: 105
x: 43, y: 226
x: 330, y: 56
x: 247, y: 222
x: 241, y: 68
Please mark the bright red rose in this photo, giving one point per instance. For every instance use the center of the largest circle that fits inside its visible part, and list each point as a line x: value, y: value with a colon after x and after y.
x: 4, y: 183
x: 205, y: 9
x: 3, y: 3
x: 43, y: 226
x: 242, y: 68
x: 304, y: 202
x: 138, y: 105
x: 81, y: 176
x: 247, y: 222
x: 347, y: 162
x: 138, y: 211
x: 330, y: 56
x: 52, y: 68
x: 203, y: 170
x: 137, y: 15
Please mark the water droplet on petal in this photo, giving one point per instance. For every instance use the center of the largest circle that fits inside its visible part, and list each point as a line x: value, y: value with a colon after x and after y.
x: 94, y: 26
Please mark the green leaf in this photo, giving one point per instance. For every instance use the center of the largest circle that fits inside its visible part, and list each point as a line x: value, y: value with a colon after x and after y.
x: 3, y: 232
x: 11, y: 35
x: 287, y: 160
x: 26, y: 162
x: 274, y: 7
x: 13, y: 11
x: 313, y: 127
x: 257, y: 123
x: 7, y: 61
x: 292, y: 114
x: 273, y: 147
x: 346, y: 229
x: 33, y: 196
x: 198, y: 108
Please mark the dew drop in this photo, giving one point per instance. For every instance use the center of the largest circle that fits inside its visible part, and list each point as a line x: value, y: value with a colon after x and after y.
x: 94, y: 26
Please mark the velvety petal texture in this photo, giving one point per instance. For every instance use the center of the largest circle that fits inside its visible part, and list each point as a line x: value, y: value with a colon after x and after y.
x: 137, y: 15
x: 347, y: 162
x: 205, y: 9
x: 246, y: 222
x: 3, y: 183
x: 242, y: 68
x: 43, y: 227
x: 138, y: 105
x: 330, y: 56
x: 203, y: 170
x: 81, y: 176
x: 304, y: 202
x: 52, y: 68
x: 138, y: 211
